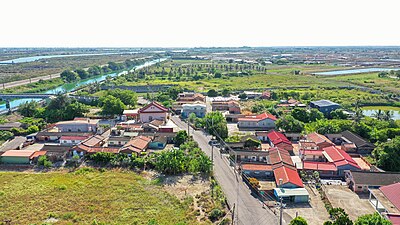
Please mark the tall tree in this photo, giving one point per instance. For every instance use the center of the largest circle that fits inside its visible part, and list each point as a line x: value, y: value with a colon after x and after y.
x: 111, y: 105
x: 69, y: 76
x: 215, y: 124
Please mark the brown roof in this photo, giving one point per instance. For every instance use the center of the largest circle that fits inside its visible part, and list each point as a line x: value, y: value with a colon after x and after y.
x: 256, y: 167
x: 280, y: 156
x: 318, y: 138
x: 357, y: 140
x: 137, y: 144
x: 375, y: 178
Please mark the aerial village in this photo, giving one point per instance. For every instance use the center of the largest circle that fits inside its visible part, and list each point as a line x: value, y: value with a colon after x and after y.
x: 321, y: 170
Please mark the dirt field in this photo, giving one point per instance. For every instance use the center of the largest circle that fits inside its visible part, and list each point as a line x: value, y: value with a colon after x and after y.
x: 353, y: 204
x: 314, y: 212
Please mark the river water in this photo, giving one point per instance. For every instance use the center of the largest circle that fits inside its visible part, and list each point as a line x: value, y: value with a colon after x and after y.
x: 35, y: 58
x: 354, y: 71
x: 68, y: 87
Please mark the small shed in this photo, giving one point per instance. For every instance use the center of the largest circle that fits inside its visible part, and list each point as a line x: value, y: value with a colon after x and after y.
x: 16, y: 157
x: 296, y: 195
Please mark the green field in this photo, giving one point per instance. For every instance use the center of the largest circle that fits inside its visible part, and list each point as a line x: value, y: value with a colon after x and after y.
x: 111, y: 197
x: 369, y: 80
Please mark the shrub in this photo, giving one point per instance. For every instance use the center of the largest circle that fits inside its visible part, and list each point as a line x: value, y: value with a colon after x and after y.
x: 215, y: 214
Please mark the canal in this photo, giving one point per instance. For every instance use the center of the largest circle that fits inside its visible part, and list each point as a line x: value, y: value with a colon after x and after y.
x: 69, y: 87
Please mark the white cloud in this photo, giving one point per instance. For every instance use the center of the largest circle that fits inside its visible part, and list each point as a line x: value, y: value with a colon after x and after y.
x: 175, y: 23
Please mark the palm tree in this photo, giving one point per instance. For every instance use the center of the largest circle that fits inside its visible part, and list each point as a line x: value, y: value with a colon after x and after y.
x: 387, y: 115
x: 358, y: 115
x: 378, y: 114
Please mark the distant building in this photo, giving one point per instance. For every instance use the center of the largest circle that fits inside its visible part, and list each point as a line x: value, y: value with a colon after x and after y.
x: 153, y: 111
x: 340, y: 159
x: 320, y: 140
x: 361, y: 181
x: 264, y: 121
x: 198, y: 109
x: 187, y: 98
x: 72, y: 140
x: 252, y: 94
x: 279, y: 140
x: 190, y: 97
x: 324, y: 106
x: 16, y: 157
x: 362, y: 145
x: 78, y: 125
x: 233, y: 107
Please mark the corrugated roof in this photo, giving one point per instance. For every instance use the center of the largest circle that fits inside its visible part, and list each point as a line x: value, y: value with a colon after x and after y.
x: 324, y: 103
x: 375, y: 178
x: 256, y: 167
x: 321, y: 166
x: 318, y: 138
x: 280, y: 156
x: 392, y: 193
x: 17, y: 153
x: 286, y: 192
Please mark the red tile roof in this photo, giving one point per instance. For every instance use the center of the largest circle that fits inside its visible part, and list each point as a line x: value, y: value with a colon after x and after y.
x: 259, y: 117
x: 155, y: 104
x: 321, y: 166
x: 257, y: 167
x: 392, y: 193
x: 277, y: 137
x: 318, y: 138
x: 288, y: 175
x: 339, y: 157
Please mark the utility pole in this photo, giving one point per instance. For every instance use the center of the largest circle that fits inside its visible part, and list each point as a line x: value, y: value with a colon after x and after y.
x: 212, y: 156
x: 188, y: 131
x: 237, y: 196
x: 281, y: 212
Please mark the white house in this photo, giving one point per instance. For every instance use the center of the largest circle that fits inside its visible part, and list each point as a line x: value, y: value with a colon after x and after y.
x: 198, y: 109
x: 264, y: 121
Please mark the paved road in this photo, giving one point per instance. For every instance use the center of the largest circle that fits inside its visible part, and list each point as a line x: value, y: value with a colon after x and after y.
x: 28, y: 81
x: 250, y: 210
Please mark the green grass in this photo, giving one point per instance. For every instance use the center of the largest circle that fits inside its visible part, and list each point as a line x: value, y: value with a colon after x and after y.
x: 111, y: 197
x: 384, y: 108
x: 35, y: 87
x: 370, y: 80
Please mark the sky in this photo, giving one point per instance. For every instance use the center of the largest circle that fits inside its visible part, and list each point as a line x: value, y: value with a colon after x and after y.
x: 192, y: 23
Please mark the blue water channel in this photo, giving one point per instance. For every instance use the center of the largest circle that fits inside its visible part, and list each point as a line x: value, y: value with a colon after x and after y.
x: 68, y: 87
x: 35, y: 58
x: 354, y: 71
